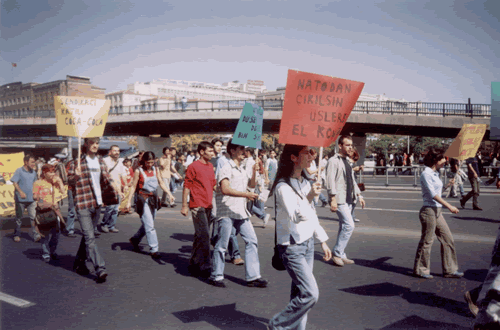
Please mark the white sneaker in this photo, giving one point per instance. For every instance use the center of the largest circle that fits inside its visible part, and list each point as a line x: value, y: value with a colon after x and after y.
x: 266, y: 219
x: 356, y: 220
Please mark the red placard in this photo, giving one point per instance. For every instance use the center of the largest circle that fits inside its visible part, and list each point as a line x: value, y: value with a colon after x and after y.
x: 316, y: 108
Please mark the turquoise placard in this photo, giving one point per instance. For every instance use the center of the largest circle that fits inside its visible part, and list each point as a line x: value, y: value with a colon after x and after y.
x: 249, y: 129
x: 495, y: 112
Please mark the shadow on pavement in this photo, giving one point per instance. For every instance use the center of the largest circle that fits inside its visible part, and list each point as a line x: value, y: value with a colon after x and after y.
x: 476, y: 219
x: 224, y: 317
x: 379, y: 264
x: 183, y: 237
x: 430, y: 299
x: 415, y: 322
x: 64, y: 261
x: 126, y: 246
x: 477, y: 275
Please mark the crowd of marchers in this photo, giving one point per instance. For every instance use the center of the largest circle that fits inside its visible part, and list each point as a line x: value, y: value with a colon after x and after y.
x: 221, y: 191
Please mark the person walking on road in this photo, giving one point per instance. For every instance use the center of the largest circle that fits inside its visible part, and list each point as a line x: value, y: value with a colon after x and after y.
x: 297, y: 225
x: 44, y: 195
x: 166, y: 169
x: 119, y: 174
x: 344, y: 193
x: 474, y: 175
x: 199, y: 187
x: 147, y: 178
x: 88, y: 182
x: 23, y: 180
x: 233, y: 189
x: 433, y: 222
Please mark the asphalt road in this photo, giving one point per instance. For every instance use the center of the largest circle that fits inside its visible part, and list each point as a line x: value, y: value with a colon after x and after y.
x: 375, y: 293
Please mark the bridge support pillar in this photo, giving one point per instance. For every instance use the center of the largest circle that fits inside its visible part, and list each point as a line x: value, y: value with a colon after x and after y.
x: 359, y: 142
x: 154, y: 144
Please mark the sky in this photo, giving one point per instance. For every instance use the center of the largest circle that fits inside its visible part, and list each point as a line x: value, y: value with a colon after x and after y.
x: 430, y: 51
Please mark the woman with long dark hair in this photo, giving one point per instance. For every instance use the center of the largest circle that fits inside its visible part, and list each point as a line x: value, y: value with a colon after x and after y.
x: 433, y: 222
x: 296, y: 226
x: 145, y: 184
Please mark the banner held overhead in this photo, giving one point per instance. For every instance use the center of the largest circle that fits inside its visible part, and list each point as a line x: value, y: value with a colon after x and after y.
x: 248, y: 132
x: 316, y: 108
x: 467, y: 141
x: 495, y: 112
x: 81, y: 116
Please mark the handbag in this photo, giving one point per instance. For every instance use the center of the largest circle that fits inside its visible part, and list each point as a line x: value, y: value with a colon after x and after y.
x: 276, y: 261
x: 46, y: 218
x: 361, y: 186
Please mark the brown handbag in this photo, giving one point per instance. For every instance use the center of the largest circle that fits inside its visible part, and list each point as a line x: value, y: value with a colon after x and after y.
x: 361, y: 186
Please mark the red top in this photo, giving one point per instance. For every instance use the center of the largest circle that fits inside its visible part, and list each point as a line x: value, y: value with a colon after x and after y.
x: 140, y: 183
x: 200, y: 180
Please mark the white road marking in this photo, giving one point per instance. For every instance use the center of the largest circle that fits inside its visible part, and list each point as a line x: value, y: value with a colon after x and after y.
x: 396, y: 199
x: 15, y: 301
x: 416, y: 233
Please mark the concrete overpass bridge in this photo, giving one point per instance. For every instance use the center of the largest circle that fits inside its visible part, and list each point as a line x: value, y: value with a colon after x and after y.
x: 410, y: 118
x: 385, y: 117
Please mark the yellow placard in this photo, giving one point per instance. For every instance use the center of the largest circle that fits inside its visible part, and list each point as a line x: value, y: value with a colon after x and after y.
x: 81, y: 116
x: 467, y: 141
x: 9, y: 163
x: 7, y: 207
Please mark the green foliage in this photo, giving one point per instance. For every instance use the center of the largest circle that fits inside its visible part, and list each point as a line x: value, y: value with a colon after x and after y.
x: 388, y: 144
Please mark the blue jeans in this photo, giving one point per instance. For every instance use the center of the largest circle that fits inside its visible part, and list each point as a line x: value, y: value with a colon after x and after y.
x: 148, y: 228
x: 31, y: 207
x: 70, y: 221
x: 258, y: 207
x: 298, y: 260
x: 173, y: 185
x: 223, y: 231
x: 88, y: 248
x: 233, y: 247
x: 346, y: 227
x: 49, y: 242
x: 111, y: 215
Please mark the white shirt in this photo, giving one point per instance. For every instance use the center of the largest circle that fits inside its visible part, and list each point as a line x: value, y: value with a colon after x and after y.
x: 95, y: 174
x: 229, y: 206
x: 295, y: 216
x: 118, y: 172
x: 323, y: 163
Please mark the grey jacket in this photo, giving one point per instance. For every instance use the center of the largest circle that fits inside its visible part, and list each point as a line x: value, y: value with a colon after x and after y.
x: 336, y: 180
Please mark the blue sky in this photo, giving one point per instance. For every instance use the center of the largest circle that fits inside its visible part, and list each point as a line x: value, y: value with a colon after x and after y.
x: 434, y: 51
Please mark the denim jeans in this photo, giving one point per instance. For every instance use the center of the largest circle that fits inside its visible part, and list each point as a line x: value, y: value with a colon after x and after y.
x: 173, y: 185
x: 233, y: 247
x: 31, y: 207
x: 223, y: 230
x: 88, y: 248
x: 258, y: 207
x: 111, y: 215
x: 346, y: 227
x: 49, y: 242
x: 298, y: 260
x: 148, y: 228
x: 70, y: 221
x: 200, y: 255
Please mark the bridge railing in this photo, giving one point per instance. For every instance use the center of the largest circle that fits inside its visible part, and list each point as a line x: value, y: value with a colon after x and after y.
x: 368, y: 107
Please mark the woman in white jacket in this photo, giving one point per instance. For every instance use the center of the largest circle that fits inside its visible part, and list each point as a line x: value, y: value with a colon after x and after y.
x: 296, y: 226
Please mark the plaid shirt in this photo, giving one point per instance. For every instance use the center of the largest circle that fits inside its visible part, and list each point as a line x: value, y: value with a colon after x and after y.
x: 83, y: 192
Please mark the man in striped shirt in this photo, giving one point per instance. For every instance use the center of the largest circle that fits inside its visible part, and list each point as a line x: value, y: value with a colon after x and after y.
x: 88, y: 182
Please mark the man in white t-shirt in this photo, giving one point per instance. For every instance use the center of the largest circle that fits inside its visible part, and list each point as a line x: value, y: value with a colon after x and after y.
x: 272, y: 167
x: 119, y: 174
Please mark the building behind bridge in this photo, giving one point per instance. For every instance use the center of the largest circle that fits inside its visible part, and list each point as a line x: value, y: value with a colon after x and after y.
x: 22, y: 99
